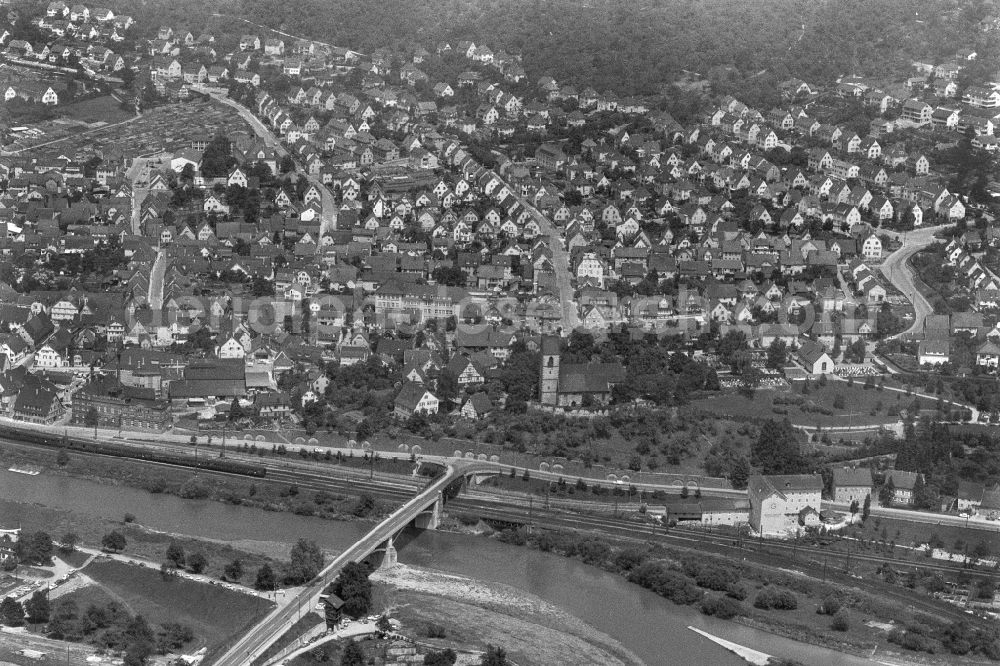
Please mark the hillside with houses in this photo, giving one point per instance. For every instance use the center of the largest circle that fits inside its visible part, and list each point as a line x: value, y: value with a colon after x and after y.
x: 433, y: 226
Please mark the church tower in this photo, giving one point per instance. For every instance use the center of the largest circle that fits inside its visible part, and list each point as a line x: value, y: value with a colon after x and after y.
x: 548, y: 390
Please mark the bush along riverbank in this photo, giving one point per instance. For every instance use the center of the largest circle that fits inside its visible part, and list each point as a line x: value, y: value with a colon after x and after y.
x: 832, y: 614
x: 259, y: 493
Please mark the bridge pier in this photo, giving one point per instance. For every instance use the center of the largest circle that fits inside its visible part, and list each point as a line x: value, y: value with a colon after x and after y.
x: 477, y: 479
x: 430, y: 518
x: 389, y: 557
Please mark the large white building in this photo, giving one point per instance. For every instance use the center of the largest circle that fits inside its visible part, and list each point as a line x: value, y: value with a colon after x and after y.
x: 778, y: 503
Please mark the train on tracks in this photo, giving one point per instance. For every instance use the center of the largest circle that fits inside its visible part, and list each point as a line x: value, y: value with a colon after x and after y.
x: 132, y: 452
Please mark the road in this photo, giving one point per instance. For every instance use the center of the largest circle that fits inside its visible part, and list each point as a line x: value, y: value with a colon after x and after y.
x: 560, y: 262
x: 156, y: 276
x: 136, y: 173
x: 896, y: 269
x: 328, y: 221
x: 284, y: 34
x: 811, y: 559
x: 269, y: 630
x: 318, y: 475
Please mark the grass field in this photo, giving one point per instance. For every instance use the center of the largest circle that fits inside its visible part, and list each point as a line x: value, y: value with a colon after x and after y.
x: 97, y: 109
x: 815, y: 409
x: 8, y: 583
x: 214, y: 613
x: 907, y: 533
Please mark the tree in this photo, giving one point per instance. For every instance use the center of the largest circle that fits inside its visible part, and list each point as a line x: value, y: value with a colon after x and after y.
x: 740, y: 474
x: 854, y: 508
x: 925, y: 496
x: 235, y: 411
x: 35, y: 548
x: 495, y: 656
x: 62, y: 458
x: 11, y: 612
x: 62, y: 618
x: 447, y: 385
x: 67, y: 544
x: 841, y: 621
x: 449, y: 276
x: 776, y: 449
x: 354, y: 588
x: 266, y: 580
x: 353, y: 655
x: 306, y: 562
x: 234, y: 571
x: 866, y: 508
x: 730, y: 344
x: 217, y: 160
x: 175, y: 554
x: 776, y: 353
x: 196, y: 563
x: 114, y: 541
x: 445, y: 657
x: 92, y: 419
x: 140, y: 640
x: 37, y: 607
x: 886, y: 493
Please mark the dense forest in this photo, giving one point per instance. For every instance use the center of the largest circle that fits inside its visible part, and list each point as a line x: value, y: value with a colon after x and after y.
x: 631, y: 48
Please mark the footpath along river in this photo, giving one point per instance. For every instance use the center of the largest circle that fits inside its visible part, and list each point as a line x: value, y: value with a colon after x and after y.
x: 652, y: 627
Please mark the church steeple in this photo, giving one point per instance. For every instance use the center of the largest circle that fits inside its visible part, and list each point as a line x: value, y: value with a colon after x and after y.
x: 548, y: 389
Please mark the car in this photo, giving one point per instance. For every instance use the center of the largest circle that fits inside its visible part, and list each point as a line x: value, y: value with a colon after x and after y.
x: 963, y: 515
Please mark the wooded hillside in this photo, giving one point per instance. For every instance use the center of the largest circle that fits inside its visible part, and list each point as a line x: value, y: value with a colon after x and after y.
x: 634, y: 47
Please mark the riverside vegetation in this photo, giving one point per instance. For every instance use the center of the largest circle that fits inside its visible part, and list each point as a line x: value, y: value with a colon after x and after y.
x: 802, y: 608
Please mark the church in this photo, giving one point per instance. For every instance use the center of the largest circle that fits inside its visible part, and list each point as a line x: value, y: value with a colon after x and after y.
x: 575, y: 385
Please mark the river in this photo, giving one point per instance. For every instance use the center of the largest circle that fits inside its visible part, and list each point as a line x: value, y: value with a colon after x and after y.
x: 647, y: 624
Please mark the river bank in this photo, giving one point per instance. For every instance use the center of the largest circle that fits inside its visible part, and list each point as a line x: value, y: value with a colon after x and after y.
x: 638, y: 619
x: 190, y: 484
x: 142, y: 542
x: 704, y: 581
x: 477, y: 613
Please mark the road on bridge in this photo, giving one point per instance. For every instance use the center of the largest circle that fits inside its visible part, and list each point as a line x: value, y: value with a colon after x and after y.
x: 272, y: 627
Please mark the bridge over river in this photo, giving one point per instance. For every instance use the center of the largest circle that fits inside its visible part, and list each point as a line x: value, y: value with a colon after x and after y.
x: 423, y: 511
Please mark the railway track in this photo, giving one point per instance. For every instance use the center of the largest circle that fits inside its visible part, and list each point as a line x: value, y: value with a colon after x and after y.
x: 814, y: 561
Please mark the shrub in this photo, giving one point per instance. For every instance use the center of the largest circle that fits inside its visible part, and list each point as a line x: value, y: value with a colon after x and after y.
x: 195, y: 488
x: 665, y: 582
x: 515, y: 536
x: 714, y: 578
x: 777, y: 599
x: 841, y: 622
x: 830, y: 606
x: 737, y: 591
x: 436, y: 631
x: 911, y: 641
x: 629, y: 559
x: 721, y: 607
x: 593, y: 551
